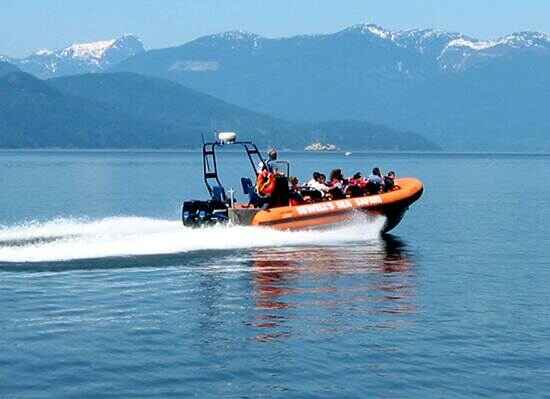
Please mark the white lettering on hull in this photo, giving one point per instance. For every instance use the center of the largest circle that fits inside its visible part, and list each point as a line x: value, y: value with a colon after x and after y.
x: 326, y: 207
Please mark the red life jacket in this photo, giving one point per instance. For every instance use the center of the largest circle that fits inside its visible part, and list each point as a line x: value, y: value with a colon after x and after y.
x: 265, y: 183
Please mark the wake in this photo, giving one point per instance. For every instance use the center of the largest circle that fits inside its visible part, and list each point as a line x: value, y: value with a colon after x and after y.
x: 72, y: 239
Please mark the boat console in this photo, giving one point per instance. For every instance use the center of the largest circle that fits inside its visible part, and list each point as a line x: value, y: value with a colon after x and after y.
x: 216, y: 209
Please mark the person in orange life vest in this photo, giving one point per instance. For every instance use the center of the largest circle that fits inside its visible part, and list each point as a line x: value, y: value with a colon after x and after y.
x: 357, y: 185
x: 265, y: 183
x: 337, y: 184
x: 296, y: 197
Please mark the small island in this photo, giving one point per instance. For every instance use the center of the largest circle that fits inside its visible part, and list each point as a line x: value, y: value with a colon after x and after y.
x: 318, y: 146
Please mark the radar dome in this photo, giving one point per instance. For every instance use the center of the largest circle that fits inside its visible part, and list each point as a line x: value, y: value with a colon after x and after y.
x: 227, y: 137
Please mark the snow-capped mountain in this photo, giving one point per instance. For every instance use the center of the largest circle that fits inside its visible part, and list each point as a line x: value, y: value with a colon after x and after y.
x: 364, y: 48
x: 455, y: 89
x: 464, y: 52
x: 413, y: 51
x: 80, y: 57
x: 234, y: 39
x: 453, y: 51
x: 461, y: 92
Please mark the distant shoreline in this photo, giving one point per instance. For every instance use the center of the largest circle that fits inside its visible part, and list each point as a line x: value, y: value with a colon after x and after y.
x: 198, y: 150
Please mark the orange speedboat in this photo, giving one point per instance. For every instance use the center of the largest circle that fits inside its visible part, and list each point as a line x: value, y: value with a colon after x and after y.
x: 223, y: 209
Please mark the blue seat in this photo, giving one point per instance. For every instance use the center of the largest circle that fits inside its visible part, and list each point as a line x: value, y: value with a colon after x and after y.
x: 218, y: 194
x: 247, y: 185
x: 248, y: 189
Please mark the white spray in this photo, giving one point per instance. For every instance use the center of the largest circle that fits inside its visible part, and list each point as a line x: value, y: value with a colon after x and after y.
x: 69, y: 239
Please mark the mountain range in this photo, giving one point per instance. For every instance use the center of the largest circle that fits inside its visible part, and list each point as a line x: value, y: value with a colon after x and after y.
x: 36, y: 115
x: 461, y: 92
x: 458, y: 92
x: 126, y: 110
x: 79, y: 58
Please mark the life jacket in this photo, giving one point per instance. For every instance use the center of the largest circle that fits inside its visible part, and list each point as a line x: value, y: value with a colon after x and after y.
x: 361, y: 182
x: 265, y: 183
x: 335, y: 183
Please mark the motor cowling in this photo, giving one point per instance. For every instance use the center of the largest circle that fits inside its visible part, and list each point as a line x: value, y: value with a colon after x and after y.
x: 198, y: 213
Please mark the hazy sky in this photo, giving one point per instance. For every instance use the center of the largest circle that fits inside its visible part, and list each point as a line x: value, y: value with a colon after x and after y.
x: 28, y: 25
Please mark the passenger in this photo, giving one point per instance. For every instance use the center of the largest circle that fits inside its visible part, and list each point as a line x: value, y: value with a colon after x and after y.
x: 294, y: 184
x: 336, y: 177
x: 336, y: 184
x: 316, y: 187
x: 319, y: 182
x: 262, y: 178
x: 357, y: 185
x: 281, y: 193
x: 375, y: 182
x: 271, y: 157
x: 322, y: 184
x: 389, y: 181
x: 296, y: 197
x: 265, y: 186
x: 314, y: 180
x: 358, y: 180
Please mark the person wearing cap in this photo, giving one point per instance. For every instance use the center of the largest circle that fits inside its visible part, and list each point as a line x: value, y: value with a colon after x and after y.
x: 389, y: 181
x: 296, y: 197
x: 375, y: 182
x: 357, y: 184
x: 271, y: 157
x: 317, y: 186
x: 337, y: 184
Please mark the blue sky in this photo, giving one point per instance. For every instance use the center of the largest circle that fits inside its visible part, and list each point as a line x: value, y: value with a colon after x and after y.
x: 28, y: 25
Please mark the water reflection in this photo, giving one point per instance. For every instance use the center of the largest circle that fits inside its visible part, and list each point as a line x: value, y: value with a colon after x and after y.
x: 333, y: 289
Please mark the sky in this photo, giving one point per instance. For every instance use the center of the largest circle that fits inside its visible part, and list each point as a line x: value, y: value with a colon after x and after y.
x: 30, y: 25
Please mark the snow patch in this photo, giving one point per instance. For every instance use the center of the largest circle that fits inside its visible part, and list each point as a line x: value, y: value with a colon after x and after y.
x: 195, y: 66
x: 237, y: 35
x: 95, y: 50
x: 372, y: 29
x: 378, y: 31
x: 515, y: 40
x: 526, y: 39
x: 237, y: 38
x: 474, y: 45
x: 43, y: 52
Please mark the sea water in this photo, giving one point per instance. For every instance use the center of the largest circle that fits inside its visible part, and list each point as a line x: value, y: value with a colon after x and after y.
x: 105, y: 293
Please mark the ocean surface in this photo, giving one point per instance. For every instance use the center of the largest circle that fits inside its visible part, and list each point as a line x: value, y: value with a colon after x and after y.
x: 103, y: 293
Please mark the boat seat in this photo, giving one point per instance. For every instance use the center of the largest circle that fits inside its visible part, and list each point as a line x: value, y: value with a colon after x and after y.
x: 218, y: 194
x: 248, y: 189
x: 247, y: 185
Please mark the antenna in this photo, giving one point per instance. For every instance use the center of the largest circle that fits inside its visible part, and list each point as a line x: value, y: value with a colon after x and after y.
x: 205, y: 157
x: 213, y: 129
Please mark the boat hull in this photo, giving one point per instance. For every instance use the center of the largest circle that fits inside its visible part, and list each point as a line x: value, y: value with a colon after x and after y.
x: 392, y: 205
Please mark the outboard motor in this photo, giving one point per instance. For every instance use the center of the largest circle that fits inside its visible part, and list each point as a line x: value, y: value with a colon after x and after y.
x: 200, y: 213
x: 213, y: 211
